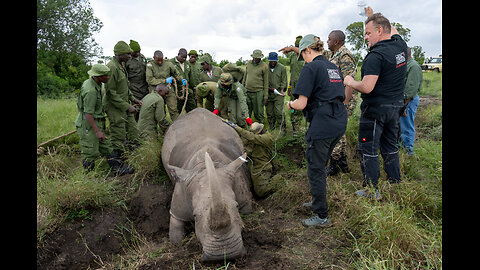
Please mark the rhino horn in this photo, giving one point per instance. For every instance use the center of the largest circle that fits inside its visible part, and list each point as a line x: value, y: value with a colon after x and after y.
x: 219, y: 217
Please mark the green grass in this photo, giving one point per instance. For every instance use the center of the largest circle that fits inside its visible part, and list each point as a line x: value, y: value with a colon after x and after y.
x: 56, y: 117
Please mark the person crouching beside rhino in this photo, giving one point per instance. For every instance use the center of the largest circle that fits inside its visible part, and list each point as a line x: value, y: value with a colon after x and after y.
x: 258, y: 143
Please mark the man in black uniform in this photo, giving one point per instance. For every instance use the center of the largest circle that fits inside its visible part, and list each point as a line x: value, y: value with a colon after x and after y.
x: 382, y: 86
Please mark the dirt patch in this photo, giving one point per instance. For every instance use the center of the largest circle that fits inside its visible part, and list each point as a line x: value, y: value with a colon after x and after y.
x: 84, y: 243
x: 149, y: 210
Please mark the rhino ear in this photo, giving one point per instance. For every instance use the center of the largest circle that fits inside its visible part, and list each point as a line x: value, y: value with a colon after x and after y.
x: 178, y: 174
x: 237, y: 163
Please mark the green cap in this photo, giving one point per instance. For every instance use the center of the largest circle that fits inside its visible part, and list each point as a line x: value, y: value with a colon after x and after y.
x: 121, y: 48
x: 193, y: 52
x: 257, y: 54
x: 202, y: 90
x: 98, y: 70
x: 134, y: 45
x: 304, y: 43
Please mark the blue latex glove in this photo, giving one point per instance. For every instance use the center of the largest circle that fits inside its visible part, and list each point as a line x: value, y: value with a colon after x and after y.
x: 184, y: 81
x: 169, y: 80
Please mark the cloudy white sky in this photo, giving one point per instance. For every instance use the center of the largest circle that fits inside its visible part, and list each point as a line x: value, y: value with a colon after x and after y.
x: 230, y: 29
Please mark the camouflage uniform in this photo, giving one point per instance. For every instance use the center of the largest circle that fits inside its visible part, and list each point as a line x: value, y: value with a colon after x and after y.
x: 345, y: 61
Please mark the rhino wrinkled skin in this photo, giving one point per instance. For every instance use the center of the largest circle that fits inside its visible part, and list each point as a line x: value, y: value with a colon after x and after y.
x: 201, y: 154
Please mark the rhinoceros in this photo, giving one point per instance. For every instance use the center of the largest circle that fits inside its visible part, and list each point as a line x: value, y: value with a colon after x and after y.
x: 205, y: 161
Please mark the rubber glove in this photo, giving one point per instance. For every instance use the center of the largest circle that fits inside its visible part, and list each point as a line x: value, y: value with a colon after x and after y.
x: 169, y: 79
x: 215, y: 111
x: 249, y: 121
x: 184, y: 81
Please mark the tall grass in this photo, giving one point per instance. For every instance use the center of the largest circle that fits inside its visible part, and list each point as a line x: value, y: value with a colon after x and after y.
x: 56, y: 117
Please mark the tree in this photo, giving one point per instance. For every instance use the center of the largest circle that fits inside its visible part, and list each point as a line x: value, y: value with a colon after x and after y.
x: 418, y: 54
x: 65, y: 43
x: 67, y: 26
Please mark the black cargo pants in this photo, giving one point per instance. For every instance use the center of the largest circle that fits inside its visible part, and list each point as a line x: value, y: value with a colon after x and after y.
x: 378, y: 128
x: 317, y: 154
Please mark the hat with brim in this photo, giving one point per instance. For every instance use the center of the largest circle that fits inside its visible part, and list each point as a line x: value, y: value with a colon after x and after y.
x: 257, y: 54
x: 121, y: 48
x: 256, y: 127
x: 304, y: 43
x: 98, y: 70
x: 272, y: 56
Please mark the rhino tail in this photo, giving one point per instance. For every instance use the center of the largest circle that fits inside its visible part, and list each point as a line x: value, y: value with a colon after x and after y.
x: 219, y: 217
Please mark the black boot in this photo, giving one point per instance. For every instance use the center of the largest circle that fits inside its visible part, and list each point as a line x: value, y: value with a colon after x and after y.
x: 114, y: 160
x: 88, y: 165
x: 333, y: 169
x: 342, y: 163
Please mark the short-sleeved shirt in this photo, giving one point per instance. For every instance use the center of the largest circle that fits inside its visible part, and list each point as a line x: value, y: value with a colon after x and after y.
x: 388, y: 60
x: 90, y: 99
x: 321, y: 82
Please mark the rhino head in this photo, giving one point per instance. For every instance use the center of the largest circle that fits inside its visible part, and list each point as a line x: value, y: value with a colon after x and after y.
x: 218, y: 225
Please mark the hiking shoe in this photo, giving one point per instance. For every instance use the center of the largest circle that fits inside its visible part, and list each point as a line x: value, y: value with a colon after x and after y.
x: 316, y: 221
x: 368, y: 194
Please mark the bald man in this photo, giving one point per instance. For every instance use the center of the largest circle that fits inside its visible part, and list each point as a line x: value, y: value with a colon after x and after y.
x: 159, y: 71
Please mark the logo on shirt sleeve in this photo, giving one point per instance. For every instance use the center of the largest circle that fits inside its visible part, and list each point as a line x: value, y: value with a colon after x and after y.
x: 334, y: 75
x: 400, y: 59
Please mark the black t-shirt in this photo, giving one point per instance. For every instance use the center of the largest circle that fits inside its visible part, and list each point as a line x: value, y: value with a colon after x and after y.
x: 321, y: 82
x: 388, y: 60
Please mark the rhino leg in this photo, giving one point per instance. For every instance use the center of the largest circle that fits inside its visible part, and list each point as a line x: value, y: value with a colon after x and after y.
x: 176, y: 230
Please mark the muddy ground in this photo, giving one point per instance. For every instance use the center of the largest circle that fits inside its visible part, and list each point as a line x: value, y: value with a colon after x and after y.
x: 136, y: 236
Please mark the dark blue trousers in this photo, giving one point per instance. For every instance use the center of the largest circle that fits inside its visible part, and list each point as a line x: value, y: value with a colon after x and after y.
x: 379, y: 129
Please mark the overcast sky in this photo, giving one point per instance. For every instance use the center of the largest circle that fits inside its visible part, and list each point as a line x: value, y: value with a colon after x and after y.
x: 233, y: 29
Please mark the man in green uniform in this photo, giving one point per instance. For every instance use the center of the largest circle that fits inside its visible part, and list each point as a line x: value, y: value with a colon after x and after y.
x: 236, y: 100
x: 277, y: 84
x: 136, y: 73
x: 236, y: 71
x: 185, y: 71
x: 117, y: 102
x: 196, y: 69
x: 209, y: 71
x: 152, y: 113
x: 160, y: 71
x: 206, y: 92
x: 256, y: 83
x: 258, y: 144
x: 296, y: 66
x: 90, y: 123
x: 345, y: 61
x: 136, y: 68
